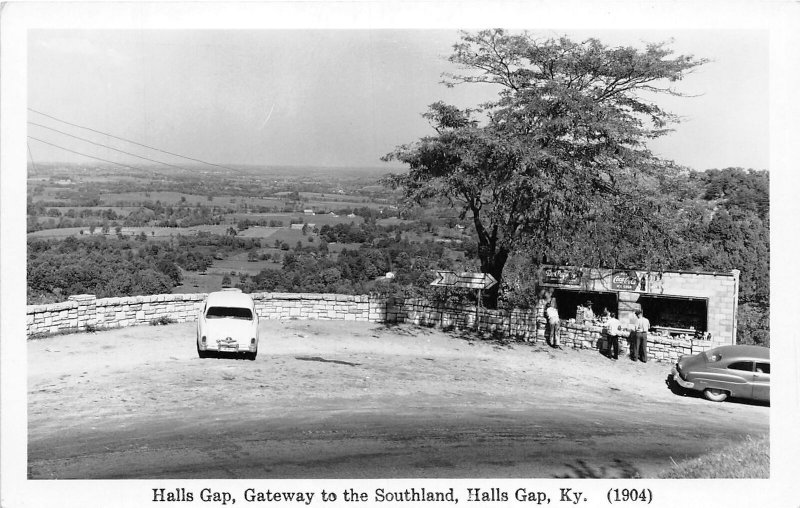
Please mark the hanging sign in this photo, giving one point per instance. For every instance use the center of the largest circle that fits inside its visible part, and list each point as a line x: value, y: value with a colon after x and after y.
x: 624, y: 280
x: 561, y: 276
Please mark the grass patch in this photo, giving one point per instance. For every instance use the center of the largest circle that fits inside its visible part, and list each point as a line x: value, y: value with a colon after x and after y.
x: 749, y: 459
x: 196, y: 283
x: 64, y: 331
x: 163, y: 320
x: 238, y: 263
x: 290, y: 236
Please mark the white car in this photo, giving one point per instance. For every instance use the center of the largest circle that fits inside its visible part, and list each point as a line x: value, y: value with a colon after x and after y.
x: 227, y: 323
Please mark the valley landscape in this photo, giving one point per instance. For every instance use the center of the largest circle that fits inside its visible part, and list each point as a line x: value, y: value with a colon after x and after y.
x: 114, y: 232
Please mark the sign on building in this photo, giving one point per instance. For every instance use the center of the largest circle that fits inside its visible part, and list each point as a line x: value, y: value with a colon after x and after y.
x: 561, y: 276
x: 625, y: 280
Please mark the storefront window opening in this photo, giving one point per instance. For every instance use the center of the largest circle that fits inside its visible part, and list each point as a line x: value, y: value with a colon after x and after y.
x: 676, y: 315
x: 569, y: 300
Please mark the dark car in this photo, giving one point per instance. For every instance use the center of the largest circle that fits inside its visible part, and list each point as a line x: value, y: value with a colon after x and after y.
x: 726, y: 371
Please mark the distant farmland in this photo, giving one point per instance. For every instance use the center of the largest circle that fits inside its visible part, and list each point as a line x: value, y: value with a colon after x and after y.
x: 310, y: 200
x: 175, y: 198
x: 150, y: 231
x: 318, y: 220
x: 283, y: 234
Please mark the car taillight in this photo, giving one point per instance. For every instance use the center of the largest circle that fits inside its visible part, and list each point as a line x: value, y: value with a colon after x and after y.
x: 253, y: 340
x: 203, y: 339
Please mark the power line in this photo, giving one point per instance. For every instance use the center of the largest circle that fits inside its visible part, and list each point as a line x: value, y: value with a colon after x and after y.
x: 30, y: 154
x: 130, y: 141
x: 106, y: 146
x: 79, y: 153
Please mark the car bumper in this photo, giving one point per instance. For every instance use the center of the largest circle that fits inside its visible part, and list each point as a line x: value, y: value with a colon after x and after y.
x: 229, y: 348
x: 679, y: 380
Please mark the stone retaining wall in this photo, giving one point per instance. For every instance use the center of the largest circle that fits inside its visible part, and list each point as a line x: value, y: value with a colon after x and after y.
x: 85, y: 312
x: 530, y: 326
x: 312, y: 306
x: 142, y: 310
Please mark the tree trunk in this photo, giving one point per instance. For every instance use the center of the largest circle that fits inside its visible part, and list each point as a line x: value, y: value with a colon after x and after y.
x: 492, y: 253
x: 493, y: 263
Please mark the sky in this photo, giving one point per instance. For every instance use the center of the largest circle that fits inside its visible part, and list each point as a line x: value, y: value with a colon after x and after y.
x: 336, y: 97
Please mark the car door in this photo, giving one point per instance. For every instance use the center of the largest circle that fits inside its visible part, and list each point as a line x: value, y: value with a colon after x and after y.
x: 740, y: 379
x: 761, y: 381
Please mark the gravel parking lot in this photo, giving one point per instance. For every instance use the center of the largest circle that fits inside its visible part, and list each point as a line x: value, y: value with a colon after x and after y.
x: 333, y: 399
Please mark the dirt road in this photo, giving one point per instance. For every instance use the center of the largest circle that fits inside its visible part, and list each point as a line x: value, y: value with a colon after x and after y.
x: 356, y: 400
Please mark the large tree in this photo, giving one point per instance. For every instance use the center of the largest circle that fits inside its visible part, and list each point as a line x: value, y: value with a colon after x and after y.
x: 557, y: 164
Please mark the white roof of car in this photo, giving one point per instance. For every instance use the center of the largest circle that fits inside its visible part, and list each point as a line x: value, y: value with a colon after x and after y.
x: 229, y: 298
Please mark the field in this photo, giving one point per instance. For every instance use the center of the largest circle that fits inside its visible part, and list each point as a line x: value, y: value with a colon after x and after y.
x: 319, y: 220
x: 197, y: 283
x: 212, y: 279
x: 177, y: 198
x: 393, y: 221
x: 119, y: 210
x: 238, y: 263
x: 309, y: 200
x: 332, y: 197
x: 265, y: 233
x: 220, y: 203
x: 290, y: 236
x: 152, y: 232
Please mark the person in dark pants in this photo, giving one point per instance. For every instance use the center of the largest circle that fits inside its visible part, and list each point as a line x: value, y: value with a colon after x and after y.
x: 633, y: 348
x: 553, y: 324
x: 642, y: 327
x: 612, y: 331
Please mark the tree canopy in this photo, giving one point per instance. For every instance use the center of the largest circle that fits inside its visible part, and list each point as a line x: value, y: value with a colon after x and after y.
x: 559, y: 158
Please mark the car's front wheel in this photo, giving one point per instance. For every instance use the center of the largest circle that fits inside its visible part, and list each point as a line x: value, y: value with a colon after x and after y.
x: 715, y: 395
x: 674, y: 387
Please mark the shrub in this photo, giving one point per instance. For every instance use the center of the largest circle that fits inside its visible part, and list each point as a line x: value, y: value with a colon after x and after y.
x: 163, y: 320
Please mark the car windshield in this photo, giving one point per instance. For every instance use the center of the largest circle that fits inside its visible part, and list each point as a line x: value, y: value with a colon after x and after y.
x: 229, y: 312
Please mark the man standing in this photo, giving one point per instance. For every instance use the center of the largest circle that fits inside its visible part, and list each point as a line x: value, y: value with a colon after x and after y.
x: 642, y: 327
x: 588, y: 312
x: 553, y: 323
x: 612, y: 330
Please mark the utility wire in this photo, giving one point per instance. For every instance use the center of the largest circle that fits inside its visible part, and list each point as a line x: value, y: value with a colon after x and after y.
x: 30, y: 154
x: 130, y: 141
x: 83, y: 154
x: 105, y: 146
